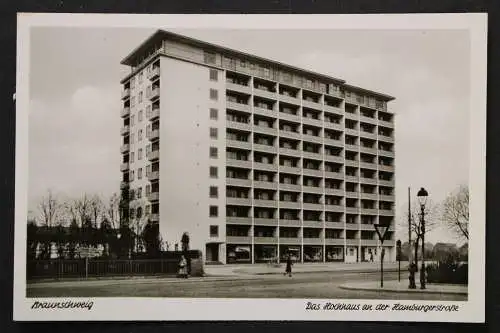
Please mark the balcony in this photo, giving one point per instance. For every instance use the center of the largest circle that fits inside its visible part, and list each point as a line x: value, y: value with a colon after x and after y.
x: 239, y: 144
x: 125, y: 130
x: 334, y: 175
x: 265, y: 166
x: 367, y: 227
x: 385, y: 138
x: 290, y: 187
x: 153, y: 135
x: 125, y: 148
x: 238, y: 106
x: 125, y: 112
x: 125, y: 94
x: 265, y: 185
x: 370, y: 181
x: 389, y: 183
x: 153, y: 196
x: 265, y: 130
x: 313, y: 189
x: 155, y: 114
x: 290, y: 117
x: 264, y: 112
x: 290, y: 135
x: 388, y: 124
x: 334, y: 158
x: 312, y: 156
x: 386, y: 212
x: 312, y: 122
x: 333, y: 126
x: 238, y: 88
x: 290, y: 169
x: 334, y: 241
x: 368, y: 165
x: 290, y: 223
x: 238, y: 163
x: 155, y: 175
x: 333, y: 109
x: 368, y: 120
x: 238, y: 220
x: 334, y: 191
x: 386, y: 153
x: 153, y: 155
x: 265, y: 221
x: 369, y: 196
x: 368, y: 150
x: 155, y: 93
x: 290, y: 204
x: 289, y: 152
x: 265, y: 203
x: 124, y: 167
x: 369, y: 242
x: 312, y: 105
x: 312, y: 224
x: 238, y: 240
x: 265, y: 240
x: 290, y: 241
x: 352, y: 179
x: 388, y: 168
x: 155, y: 73
x: 352, y: 210
x: 369, y: 211
x: 313, y: 241
x: 265, y: 148
x: 238, y: 182
x: 352, y: 194
x: 264, y: 93
x: 333, y: 142
x: 313, y: 172
x: 239, y: 126
x: 154, y: 217
x: 351, y: 131
x: 350, y: 115
x: 312, y: 206
x: 312, y: 138
x: 351, y: 147
x: 238, y: 201
x: 368, y: 135
x: 334, y: 208
x: 334, y: 225
x: 390, y: 198
x: 351, y: 163
x: 289, y: 99
x: 124, y: 184
x: 352, y: 242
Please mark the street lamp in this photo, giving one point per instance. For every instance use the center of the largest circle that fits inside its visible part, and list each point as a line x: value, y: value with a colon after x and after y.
x: 422, y: 199
x: 381, y: 230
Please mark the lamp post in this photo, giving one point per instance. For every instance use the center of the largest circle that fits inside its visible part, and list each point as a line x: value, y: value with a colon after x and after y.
x: 422, y: 199
x: 381, y: 230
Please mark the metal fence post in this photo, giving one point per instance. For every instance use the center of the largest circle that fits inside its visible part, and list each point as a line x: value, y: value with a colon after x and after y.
x: 87, y: 267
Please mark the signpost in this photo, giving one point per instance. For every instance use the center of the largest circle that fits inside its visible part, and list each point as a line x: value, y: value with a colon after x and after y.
x: 381, y: 230
x: 398, y: 258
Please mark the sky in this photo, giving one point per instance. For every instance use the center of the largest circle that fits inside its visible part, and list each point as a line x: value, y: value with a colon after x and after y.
x: 75, y: 104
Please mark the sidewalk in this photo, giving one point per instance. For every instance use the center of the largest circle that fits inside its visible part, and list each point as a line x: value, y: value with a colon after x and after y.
x: 402, y: 287
x: 264, y: 269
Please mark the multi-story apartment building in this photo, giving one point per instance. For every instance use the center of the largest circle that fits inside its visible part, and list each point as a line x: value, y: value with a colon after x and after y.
x: 255, y: 159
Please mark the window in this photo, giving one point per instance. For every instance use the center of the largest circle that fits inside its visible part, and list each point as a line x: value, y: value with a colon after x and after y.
x: 213, y: 133
x: 148, y: 190
x: 148, y: 112
x: 140, y: 116
x: 139, y: 135
x: 147, y: 209
x: 213, y: 152
x: 243, y: 63
x: 214, y: 211
x: 132, y: 154
x: 214, y: 75
x: 140, y: 97
x: 132, y: 120
x: 139, y: 194
x: 209, y: 57
x: 132, y: 138
x: 214, y: 231
x: 214, y: 172
x: 139, y: 154
x: 214, y: 192
x: 140, y: 77
x: 139, y: 173
x: 214, y: 94
x: 214, y: 114
x: 132, y: 101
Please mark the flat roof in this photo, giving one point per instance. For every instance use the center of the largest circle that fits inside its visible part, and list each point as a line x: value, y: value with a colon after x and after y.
x: 161, y: 35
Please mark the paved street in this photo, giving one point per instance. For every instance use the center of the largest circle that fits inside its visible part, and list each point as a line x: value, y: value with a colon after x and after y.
x: 301, y: 285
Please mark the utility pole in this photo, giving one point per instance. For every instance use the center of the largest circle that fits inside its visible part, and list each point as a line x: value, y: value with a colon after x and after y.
x: 409, y: 225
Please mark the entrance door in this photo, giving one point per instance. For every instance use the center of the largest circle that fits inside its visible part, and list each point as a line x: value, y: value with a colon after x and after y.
x: 212, y: 252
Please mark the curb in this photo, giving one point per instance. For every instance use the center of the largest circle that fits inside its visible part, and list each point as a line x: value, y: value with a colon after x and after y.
x: 325, y: 271
x: 416, y: 291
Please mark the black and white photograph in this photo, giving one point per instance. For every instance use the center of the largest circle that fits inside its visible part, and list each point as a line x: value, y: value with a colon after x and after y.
x: 220, y: 166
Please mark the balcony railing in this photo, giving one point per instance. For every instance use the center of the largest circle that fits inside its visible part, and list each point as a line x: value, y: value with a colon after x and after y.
x: 333, y: 109
x: 388, y: 168
x: 390, y: 197
x: 265, y: 203
x: 368, y: 165
x: 124, y: 167
x: 265, y: 130
x: 290, y: 152
x: 265, y: 221
x: 369, y: 242
x: 238, y: 182
x: 265, y: 148
x: 290, y: 135
x: 312, y: 138
x: 352, y: 210
x: 238, y: 106
x: 312, y: 224
x: 386, y: 182
x: 155, y: 175
x: 155, y: 114
x: 351, y: 242
x: 334, y: 175
x: 153, y: 94
x: 386, y: 138
x: 313, y: 189
x: 290, y: 204
x: 125, y: 148
x: 239, y: 144
x: 367, y: 227
x: 238, y: 201
x: 265, y: 166
x: 125, y: 112
x: 265, y: 240
x: 238, y: 88
x: 290, y: 240
x: 153, y: 155
x: 265, y: 185
x: 239, y: 126
x: 334, y: 225
x: 125, y: 130
x: 153, y: 135
x: 368, y: 150
x: 238, y: 163
x: 290, y: 187
x: 334, y: 208
x: 369, y: 196
x: 238, y: 220
x: 388, y: 124
x: 238, y: 239
x: 312, y: 104
x: 334, y: 241
x: 264, y: 111
x: 369, y: 211
x: 370, y: 181
x: 334, y: 191
x: 368, y: 135
x: 313, y: 206
x: 289, y: 99
x: 386, y: 153
x: 153, y: 196
x: 289, y: 117
x: 155, y: 72
x: 312, y: 122
x: 313, y: 241
x: 264, y: 93
x: 312, y: 172
x: 154, y: 217
x: 312, y: 155
x: 290, y: 223
x: 125, y: 94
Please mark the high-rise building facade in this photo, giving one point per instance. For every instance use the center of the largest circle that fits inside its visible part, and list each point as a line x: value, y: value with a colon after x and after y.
x: 253, y: 158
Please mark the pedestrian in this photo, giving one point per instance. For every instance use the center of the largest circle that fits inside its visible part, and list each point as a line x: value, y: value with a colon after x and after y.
x: 183, y: 268
x: 371, y: 256
x: 413, y: 269
x: 289, y: 264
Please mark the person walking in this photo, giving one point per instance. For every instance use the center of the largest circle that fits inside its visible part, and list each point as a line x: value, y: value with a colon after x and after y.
x: 183, y: 268
x: 289, y: 264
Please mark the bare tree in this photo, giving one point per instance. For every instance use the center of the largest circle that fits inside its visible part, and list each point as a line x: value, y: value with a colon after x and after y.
x: 50, y: 208
x: 96, y: 208
x: 431, y: 215
x: 82, y: 207
x: 456, y: 211
x: 112, y: 211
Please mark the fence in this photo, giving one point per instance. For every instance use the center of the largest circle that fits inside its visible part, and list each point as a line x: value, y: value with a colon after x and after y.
x: 88, y: 267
